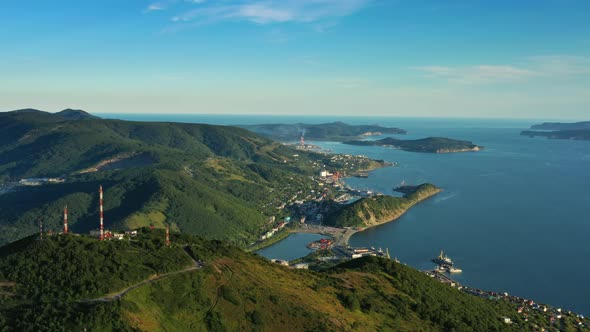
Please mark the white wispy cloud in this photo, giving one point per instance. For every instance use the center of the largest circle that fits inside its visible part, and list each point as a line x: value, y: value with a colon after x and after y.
x: 270, y: 11
x: 153, y: 7
x: 532, y: 67
x: 165, y: 4
x: 478, y: 74
x: 563, y: 65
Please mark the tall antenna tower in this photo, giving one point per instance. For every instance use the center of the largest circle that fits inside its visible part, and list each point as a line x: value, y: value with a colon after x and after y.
x: 40, y: 228
x: 167, y: 235
x: 66, y: 219
x: 101, y: 214
x: 302, y: 138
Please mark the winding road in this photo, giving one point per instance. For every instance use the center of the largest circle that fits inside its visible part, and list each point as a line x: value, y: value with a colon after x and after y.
x: 120, y: 294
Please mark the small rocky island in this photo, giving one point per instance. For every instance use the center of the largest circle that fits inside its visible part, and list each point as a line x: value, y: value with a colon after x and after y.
x: 334, y: 131
x: 428, y: 145
x: 558, y: 130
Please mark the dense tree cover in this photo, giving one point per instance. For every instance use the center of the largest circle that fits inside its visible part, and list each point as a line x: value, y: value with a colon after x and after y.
x: 324, y: 131
x: 378, y: 209
x: 429, y: 144
x: 442, y: 305
x: 220, y: 182
x: 64, y: 317
x: 233, y: 291
x: 69, y: 267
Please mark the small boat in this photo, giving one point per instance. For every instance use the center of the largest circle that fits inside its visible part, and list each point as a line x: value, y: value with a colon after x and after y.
x: 454, y: 270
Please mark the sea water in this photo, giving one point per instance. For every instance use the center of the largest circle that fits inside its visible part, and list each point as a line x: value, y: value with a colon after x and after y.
x: 514, y: 217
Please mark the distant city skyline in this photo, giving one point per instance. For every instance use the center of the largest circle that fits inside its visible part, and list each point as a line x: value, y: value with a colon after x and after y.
x: 425, y: 58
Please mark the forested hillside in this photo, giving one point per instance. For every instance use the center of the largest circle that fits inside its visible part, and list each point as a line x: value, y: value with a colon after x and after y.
x: 62, y: 283
x: 371, y: 211
x: 218, y: 182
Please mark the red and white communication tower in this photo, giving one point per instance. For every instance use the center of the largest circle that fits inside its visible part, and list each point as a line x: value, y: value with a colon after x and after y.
x: 167, y: 235
x: 66, y: 219
x: 101, y: 215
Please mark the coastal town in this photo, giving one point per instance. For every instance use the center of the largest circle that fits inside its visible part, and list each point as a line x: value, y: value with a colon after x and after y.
x: 307, y: 214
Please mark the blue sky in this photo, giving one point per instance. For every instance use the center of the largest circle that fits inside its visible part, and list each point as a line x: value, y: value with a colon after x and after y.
x: 455, y: 58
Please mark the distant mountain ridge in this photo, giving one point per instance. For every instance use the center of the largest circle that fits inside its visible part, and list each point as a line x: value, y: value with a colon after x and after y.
x: 66, y: 114
x: 327, y: 131
x: 558, y: 130
x: 584, y: 125
x: 71, y: 114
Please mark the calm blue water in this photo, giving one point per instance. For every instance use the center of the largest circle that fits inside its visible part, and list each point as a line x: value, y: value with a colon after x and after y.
x: 290, y: 248
x: 513, y: 217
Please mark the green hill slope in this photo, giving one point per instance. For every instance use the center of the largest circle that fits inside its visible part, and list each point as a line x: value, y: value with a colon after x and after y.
x: 58, y: 286
x: 219, y: 182
x: 375, y: 210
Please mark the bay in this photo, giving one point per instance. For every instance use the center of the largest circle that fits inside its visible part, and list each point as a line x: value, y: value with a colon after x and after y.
x: 514, y: 216
x: 293, y: 247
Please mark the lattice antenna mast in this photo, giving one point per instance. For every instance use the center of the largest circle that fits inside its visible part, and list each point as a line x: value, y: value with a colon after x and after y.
x: 101, y: 214
x: 167, y: 235
x: 66, y: 219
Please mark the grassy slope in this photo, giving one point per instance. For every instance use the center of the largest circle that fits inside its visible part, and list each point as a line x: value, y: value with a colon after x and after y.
x: 234, y: 291
x: 370, y: 211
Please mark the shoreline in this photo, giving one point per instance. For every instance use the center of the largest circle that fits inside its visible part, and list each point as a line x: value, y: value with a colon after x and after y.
x: 341, y: 236
x: 398, y: 214
x: 285, y: 234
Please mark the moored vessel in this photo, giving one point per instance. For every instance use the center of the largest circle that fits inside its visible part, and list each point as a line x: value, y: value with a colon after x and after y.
x: 443, y: 259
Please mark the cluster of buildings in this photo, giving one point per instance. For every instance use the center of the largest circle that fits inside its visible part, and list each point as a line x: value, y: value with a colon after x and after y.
x: 275, y: 229
x: 40, y: 181
x: 299, y: 266
x: 352, y: 252
x: 112, y: 235
x: 525, y: 307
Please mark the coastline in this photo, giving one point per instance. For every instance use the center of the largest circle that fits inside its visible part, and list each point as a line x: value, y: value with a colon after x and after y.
x: 341, y: 236
x: 396, y: 214
x: 393, y: 217
x: 284, y: 234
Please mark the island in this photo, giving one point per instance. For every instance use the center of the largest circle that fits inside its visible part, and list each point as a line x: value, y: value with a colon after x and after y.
x: 428, y: 145
x: 335, y: 131
x: 557, y: 130
x: 562, y: 126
